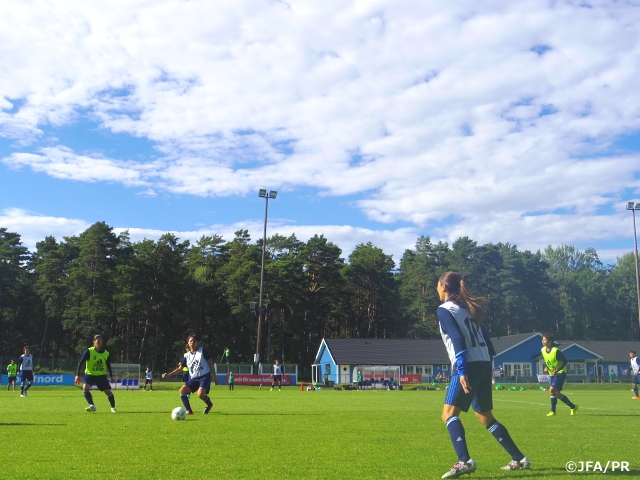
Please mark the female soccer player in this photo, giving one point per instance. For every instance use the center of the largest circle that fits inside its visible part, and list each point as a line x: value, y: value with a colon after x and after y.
x: 201, y: 371
x: 556, y: 365
x: 12, y: 370
x: 25, y: 364
x: 96, y: 364
x: 470, y: 351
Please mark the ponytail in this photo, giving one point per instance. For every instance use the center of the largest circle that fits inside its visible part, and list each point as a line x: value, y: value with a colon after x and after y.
x: 460, y: 294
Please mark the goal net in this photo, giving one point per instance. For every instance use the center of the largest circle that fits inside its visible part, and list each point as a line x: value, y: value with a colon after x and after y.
x: 126, y: 376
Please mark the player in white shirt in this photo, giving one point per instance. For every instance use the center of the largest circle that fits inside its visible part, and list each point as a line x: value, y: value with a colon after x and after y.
x: 148, y: 379
x: 276, y: 375
x: 201, y: 372
x: 25, y: 364
x: 470, y: 351
x: 635, y: 366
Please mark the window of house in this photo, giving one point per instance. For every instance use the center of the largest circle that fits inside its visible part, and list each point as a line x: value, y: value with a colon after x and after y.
x: 419, y: 370
x: 512, y: 369
x: 445, y: 368
x: 575, y: 368
x: 410, y: 369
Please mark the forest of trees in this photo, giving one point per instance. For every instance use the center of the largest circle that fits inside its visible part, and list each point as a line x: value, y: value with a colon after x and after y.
x: 146, y: 296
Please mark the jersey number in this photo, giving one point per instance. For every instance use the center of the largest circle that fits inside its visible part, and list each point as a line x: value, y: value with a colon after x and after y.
x: 473, y: 333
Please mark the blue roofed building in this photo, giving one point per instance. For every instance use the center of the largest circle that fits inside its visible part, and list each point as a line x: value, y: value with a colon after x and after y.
x: 517, y: 356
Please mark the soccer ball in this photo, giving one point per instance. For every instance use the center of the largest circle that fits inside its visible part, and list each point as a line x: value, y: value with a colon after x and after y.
x: 179, y: 413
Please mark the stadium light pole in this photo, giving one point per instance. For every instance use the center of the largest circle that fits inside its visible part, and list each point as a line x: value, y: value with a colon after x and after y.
x: 271, y: 195
x: 633, y: 207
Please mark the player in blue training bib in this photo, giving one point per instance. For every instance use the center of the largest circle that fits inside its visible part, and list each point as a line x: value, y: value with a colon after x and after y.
x: 201, y: 372
x: 470, y: 352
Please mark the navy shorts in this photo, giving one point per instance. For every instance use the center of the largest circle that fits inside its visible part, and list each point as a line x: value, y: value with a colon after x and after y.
x: 147, y: 381
x: 100, y: 381
x: 557, y: 380
x: 636, y: 379
x: 185, y: 377
x: 26, y: 375
x: 194, y: 384
x: 12, y: 380
x: 480, y: 395
x: 277, y: 378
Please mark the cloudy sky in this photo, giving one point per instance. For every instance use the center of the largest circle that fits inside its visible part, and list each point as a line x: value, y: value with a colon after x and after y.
x: 375, y: 120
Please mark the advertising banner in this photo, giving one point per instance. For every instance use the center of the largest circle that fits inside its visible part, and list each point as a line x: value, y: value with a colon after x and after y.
x: 245, y: 379
x: 410, y: 378
x: 44, y: 379
x: 543, y: 378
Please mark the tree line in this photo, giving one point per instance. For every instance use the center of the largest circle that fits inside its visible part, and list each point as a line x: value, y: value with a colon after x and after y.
x: 146, y: 296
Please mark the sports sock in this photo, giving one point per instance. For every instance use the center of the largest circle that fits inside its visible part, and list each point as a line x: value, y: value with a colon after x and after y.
x: 456, y: 431
x: 554, y: 402
x: 28, y: 386
x: 208, y: 401
x: 88, y: 397
x: 112, y: 400
x: 565, y: 400
x: 635, y: 390
x: 185, y: 402
x: 501, y: 434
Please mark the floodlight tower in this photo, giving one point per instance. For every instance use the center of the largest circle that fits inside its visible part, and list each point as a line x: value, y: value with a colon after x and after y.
x: 263, y: 194
x: 633, y: 207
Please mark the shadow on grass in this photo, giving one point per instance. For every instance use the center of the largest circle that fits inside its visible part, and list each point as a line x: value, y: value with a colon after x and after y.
x: 33, y: 424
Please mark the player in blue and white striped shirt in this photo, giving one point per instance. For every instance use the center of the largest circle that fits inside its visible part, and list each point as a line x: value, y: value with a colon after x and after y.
x: 470, y: 352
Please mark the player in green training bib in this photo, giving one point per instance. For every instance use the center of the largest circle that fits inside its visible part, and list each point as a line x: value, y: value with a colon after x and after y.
x: 96, y: 364
x: 12, y: 374
x: 556, y: 365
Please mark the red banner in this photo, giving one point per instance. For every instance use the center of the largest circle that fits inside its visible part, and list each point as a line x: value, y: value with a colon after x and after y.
x: 403, y: 378
x: 257, y: 379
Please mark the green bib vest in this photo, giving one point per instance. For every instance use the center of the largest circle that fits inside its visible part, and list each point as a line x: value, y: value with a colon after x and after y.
x: 12, y: 370
x: 551, y: 360
x: 230, y: 379
x: 97, y: 363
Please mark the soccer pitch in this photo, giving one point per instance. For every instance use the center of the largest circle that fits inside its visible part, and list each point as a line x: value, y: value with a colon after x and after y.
x: 262, y: 434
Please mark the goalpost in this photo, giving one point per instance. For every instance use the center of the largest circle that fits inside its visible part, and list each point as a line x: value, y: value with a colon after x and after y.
x: 126, y: 376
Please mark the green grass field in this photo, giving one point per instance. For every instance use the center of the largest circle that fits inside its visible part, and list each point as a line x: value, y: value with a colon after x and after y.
x: 258, y: 434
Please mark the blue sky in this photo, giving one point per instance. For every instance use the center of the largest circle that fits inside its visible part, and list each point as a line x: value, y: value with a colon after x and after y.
x: 375, y: 121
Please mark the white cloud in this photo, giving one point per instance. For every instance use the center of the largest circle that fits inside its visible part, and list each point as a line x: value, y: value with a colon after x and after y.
x: 531, y: 233
x: 33, y: 227
x: 392, y: 242
x: 478, y: 113
x: 60, y: 162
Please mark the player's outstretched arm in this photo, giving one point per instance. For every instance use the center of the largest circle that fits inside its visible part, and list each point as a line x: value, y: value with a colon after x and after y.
x: 172, y: 373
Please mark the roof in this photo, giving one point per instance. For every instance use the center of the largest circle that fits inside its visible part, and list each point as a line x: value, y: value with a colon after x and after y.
x: 502, y: 344
x: 385, y: 351
x: 611, y: 351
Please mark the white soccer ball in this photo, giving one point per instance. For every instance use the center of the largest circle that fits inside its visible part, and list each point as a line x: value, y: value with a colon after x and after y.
x: 179, y: 413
